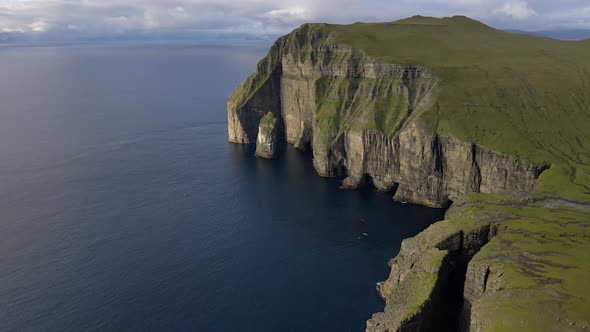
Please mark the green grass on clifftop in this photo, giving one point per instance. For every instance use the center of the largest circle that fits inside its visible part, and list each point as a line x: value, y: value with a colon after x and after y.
x: 528, y: 97
x: 542, y: 255
x: 518, y: 94
x: 267, y: 123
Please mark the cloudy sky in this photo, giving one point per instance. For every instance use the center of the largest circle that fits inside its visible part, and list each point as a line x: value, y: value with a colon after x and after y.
x: 104, y: 18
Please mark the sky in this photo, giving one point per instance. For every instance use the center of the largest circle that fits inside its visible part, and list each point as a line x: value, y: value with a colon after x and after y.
x: 119, y: 18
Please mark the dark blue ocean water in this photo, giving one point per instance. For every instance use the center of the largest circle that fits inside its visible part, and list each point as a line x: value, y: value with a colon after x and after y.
x: 123, y: 206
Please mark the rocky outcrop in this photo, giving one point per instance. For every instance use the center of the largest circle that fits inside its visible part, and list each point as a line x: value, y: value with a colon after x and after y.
x: 424, y: 291
x: 266, y: 142
x: 360, y: 117
x: 481, y: 277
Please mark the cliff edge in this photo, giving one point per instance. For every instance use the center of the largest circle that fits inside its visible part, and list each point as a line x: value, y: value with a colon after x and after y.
x: 438, y: 111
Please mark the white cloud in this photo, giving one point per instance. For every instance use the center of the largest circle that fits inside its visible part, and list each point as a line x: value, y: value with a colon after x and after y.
x: 177, y: 12
x: 291, y: 13
x: 39, y: 26
x: 519, y: 10
x: 12, y: 30
x: 106, y: 17
x: 151, y: 20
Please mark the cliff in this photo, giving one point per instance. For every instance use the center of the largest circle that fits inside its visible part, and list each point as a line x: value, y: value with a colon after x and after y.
x: 496, y: 263
x: 360, y: 118
x: 436, y: 111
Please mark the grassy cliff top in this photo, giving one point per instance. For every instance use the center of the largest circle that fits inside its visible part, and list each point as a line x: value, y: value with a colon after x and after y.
x: 268, y: 120
x: 455, y: 41
x: 518, y: 94
x: 267, y: 123
x: 522, y: 95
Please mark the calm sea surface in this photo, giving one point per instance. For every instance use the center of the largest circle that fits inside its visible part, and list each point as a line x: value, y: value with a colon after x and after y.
x: 123, y: 206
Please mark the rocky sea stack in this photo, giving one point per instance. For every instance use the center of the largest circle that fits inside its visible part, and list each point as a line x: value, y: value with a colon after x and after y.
x: 266, y: 141
x: 440, y: 112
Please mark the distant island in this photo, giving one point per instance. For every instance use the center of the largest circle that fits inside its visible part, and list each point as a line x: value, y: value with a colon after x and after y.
x: 447, y: 112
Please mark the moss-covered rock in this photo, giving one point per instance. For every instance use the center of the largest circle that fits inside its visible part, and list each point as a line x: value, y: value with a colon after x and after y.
x: 266, y: 142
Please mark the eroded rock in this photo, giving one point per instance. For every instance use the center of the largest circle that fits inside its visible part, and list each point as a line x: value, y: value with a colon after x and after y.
x: 266, y: 141
x: 324, y: 97
x: 424, y: 291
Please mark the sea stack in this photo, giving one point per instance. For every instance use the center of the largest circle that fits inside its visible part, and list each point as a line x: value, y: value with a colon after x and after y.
x: 266, y: 143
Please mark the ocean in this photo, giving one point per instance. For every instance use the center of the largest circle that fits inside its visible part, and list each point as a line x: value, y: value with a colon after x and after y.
x: 124, y: 208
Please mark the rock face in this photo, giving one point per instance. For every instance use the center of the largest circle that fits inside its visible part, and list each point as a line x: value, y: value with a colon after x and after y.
x: 361, y: 119
x: 481, y: 277
x: 266, y: 142
x: 424, y: 291
x: 253, y: 99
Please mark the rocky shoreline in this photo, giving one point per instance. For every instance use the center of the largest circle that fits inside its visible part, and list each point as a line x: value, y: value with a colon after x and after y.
x: 439, y: 278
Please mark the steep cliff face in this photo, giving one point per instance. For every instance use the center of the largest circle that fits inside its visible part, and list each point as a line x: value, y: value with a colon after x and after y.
x: 255, y: 98
x: 432, y: 169
x: 360, y: 119
x: 424, y: 291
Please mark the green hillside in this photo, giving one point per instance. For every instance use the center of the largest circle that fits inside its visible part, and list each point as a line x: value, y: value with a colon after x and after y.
x: 523, y: 95
x: 529, y: 97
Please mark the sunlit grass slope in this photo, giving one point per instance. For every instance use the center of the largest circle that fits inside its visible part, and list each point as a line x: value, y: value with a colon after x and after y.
x: 518, y: 94
x: 529, y: 97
